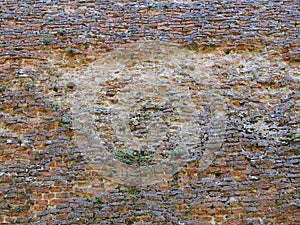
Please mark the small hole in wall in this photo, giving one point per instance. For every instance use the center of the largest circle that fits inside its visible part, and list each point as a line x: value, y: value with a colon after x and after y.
x: 227, y: 51
x: 218, y: 174
x: 71, y: 86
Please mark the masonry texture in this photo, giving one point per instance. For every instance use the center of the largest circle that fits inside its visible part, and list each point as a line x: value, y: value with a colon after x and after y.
x: 51, y: 54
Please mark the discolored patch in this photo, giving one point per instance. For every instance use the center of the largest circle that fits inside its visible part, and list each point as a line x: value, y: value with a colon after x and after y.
x: 143, y: 112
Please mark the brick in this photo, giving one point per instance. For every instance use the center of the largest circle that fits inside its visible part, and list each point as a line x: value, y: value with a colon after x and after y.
x: 41, y: 202
x: 58, y: 201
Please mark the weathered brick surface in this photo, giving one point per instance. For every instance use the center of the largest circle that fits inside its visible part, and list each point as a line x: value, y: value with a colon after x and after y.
x: 45, y: 179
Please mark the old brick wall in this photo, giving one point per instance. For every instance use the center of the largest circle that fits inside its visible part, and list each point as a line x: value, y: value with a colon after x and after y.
x: 251, y: 49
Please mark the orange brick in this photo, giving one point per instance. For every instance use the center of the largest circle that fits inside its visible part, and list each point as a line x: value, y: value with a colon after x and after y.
x: 55, y: 189
x: 219, y: 219
x: 41, y: 202
x: 200, y: 212
x: 191, y: 170
x: 40, y: 207
x: 57, y: 201
x: 48, y: 196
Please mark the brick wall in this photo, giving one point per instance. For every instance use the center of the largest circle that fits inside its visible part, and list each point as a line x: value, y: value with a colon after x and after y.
x: 248, y: 49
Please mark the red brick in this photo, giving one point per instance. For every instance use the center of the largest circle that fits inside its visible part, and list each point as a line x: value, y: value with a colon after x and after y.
x: 40, y: 207
x: 41, y: 202
x: 57, y: 201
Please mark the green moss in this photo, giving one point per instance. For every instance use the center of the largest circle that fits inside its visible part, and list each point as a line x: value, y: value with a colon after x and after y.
x: 166, y: 5
x: 133, y: 191
x: 295, y: 135
x: 97, y: 201
x: 19, y: 209
x: 61, y: 32
x: 71, y: 51
x: 66, y: 121
x: 132, y: 157
x: 47, y: 40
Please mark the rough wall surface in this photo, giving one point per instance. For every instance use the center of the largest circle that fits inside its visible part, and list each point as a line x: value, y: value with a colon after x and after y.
x: 249, y: 48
